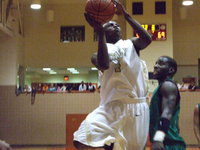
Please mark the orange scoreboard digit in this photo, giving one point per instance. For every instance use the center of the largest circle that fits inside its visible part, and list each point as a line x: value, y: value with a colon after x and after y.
x: 157, y: 31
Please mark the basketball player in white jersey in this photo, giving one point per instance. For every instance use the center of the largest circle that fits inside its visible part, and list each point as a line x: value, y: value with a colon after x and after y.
x: 122, y: 119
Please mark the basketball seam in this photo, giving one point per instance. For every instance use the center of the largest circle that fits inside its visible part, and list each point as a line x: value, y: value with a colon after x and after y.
x: 106, y: 6
x: 98, y: 11
x: 93, y: 7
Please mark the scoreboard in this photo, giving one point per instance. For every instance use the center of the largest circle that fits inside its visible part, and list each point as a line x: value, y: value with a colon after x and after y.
x: 157, y: 31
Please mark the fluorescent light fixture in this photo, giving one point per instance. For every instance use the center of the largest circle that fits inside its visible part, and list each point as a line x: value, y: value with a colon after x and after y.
x: 70, y: 69
x: 52, y: 72
x: 94, y: 68
x: 75, y: 72
x: 46, y: 69
x: 187, y: 2
x: 36, y: 4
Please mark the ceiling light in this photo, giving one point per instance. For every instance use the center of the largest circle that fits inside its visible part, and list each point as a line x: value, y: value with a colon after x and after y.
x: 94, y: 68
x: 187, y: 2
x: 36, y: 4
x: 52, y: 72
x: 75, y: 72
x: 46, y: 69
x: 71, y: 69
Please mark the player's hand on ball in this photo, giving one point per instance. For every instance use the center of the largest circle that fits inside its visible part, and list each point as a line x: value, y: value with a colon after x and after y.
x: 92, y: 21
x: 119, y: 8
x: 157, y: 146
x: 4, y: 145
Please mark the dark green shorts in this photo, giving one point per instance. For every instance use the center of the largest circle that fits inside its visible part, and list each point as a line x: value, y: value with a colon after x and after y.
x: 175, y: 147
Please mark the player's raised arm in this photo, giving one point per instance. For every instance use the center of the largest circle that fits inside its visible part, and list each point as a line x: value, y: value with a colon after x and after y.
x: 101, y: 58
x: 144, y: 38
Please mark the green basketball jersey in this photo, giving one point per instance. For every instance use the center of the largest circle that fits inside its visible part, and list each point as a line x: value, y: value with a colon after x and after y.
x: 172, y: 137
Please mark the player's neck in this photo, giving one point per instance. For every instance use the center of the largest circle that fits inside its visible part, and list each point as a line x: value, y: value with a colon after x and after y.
x: 161, y: 80
x: 113, y: 41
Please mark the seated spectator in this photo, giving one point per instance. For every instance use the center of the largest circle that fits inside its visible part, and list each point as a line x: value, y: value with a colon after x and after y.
x: 58, y: 88
x: 63, y: 88
x: 39, y: 89
x: 52, y: 88
x: 74, y: 87
x: 91, y: 87
x: 179, y: 85
x: 184, y: 86
x: 82, y: 87
x: 27, y: 89
x: 69, y: 87
x: 18, y: 91
x: 45, y: 88
x: 192, y: 86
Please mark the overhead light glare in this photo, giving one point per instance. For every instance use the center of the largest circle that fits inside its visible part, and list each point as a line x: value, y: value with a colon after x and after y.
x: 46, y: 69
x: 75, y: 72
x: 94, y: 68
x: 36, y: 4
x: 70, y: 69
x: 52, y: 72
x: 187, y: 2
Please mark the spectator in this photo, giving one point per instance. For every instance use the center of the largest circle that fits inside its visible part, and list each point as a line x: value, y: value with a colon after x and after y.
x: 192, y: 86
x: 184, y: 86
x: 63, y: 88
x: 39, y: 89
x: 69, y: 87
x: 45, y: 88
x: 27, y: 89
x: 179, y: 85
x: 91, y: 87
x: 58, y: 88
x: 75, y: 86
x: 82, y: 87
x: 52, y: 88
x: 33, y: 93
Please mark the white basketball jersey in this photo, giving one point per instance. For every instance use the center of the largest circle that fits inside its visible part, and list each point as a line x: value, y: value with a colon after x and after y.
x: 127, y: 75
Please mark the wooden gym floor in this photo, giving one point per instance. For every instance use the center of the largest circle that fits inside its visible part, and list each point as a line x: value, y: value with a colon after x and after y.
x: 63, y: 148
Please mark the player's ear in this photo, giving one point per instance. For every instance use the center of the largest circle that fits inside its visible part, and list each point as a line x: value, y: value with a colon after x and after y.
x: 171, y: 70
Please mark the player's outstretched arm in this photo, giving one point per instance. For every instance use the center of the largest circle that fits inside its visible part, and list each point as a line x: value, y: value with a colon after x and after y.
x: 169, y: 94
x: 144, y: 38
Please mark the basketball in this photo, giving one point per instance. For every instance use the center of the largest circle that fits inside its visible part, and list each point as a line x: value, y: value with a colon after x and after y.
x: 101, y: 10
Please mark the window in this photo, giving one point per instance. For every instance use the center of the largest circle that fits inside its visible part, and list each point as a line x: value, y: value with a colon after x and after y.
x: 160, y: 7
x: 137, y: 8
x: 72, y: 34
